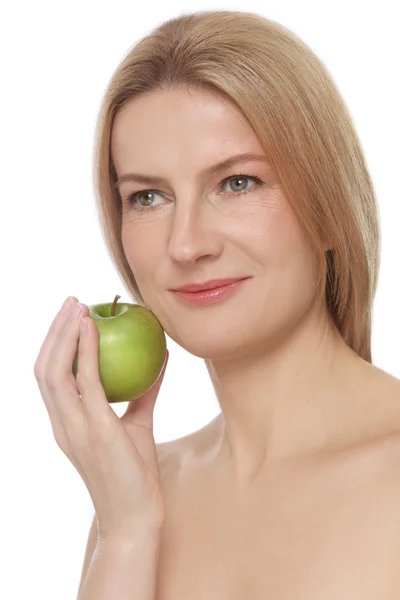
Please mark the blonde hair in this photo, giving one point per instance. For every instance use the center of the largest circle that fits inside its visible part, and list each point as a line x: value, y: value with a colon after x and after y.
x: 290, y: 100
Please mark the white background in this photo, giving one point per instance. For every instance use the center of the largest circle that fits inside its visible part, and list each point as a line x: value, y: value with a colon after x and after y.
x: 56, y: 61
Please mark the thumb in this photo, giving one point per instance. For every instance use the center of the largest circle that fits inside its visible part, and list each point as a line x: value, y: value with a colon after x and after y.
x: 140, y: 411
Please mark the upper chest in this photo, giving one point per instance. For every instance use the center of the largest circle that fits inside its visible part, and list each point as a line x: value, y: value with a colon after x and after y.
x: 325, y: 533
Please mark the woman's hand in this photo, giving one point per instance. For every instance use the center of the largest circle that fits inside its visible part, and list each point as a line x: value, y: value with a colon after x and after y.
x: 116, y: 457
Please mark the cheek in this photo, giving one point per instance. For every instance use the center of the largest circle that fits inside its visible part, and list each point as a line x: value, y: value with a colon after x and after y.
x: 141, y: 251
x: 268, y: 230
x: 276, y: 240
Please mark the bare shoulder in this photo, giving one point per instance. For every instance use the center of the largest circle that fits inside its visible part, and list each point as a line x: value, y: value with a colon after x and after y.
x: 385, y: 381
x: 381, y: 416
x: 378, y: 400
x: 192, y: 442
x: 378, y: 454
x: 175, y: 455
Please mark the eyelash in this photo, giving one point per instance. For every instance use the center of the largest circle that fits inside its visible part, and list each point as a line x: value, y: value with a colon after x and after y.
x: 131, y: 199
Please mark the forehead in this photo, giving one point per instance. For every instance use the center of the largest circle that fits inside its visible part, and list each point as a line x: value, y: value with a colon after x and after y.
x: 181, y: 124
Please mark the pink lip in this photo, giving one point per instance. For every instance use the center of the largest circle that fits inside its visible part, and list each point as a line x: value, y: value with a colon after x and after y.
x: 207, y: 285
x: 212, y: 296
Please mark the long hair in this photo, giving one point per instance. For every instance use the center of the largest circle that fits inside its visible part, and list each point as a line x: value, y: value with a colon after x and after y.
x: 290, y: 100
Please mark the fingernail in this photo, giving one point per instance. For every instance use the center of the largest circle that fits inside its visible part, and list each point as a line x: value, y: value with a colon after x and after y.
x: 67, y: 304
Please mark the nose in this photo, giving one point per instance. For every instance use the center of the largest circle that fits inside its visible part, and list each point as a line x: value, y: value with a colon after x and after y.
x: 194, y: 234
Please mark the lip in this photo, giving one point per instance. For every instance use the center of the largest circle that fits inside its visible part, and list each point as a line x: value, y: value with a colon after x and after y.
x: 211, y: 296
x: 207, y: 285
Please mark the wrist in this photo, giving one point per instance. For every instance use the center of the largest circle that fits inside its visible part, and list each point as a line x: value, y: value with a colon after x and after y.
x: 125, y: 541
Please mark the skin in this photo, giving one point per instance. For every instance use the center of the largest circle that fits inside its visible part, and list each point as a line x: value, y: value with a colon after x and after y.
x: 287, y: 384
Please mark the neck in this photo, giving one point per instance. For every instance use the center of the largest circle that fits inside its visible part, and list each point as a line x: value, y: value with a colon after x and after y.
x: 282, y: 401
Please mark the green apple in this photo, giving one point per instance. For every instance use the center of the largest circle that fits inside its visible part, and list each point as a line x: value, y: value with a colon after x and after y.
x: 132, y: 349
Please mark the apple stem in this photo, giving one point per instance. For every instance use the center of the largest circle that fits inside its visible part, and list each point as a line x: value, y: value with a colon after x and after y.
x: 113, y: 305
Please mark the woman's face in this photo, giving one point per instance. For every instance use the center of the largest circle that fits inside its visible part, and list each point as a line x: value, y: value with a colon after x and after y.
x: 194, y: 226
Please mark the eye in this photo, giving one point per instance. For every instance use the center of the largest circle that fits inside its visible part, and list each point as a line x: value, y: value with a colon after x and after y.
x: 241, y: 179
x: 132, y: 199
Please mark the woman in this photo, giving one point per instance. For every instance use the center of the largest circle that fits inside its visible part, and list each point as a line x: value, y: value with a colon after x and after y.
x: 294, y: 489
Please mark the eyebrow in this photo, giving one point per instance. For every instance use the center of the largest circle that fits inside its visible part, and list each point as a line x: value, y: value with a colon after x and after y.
x: 225, y: 164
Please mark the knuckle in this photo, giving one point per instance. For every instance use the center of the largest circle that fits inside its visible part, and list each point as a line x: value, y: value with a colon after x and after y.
x: 105, y: 429
x: 78, y: 439
x: 72, y: 431
x: 60, y: 439
x: 81, y: 382
x: 37, y: 370
x: 51, y: 380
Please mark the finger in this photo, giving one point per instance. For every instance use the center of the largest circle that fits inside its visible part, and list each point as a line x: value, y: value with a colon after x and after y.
x: 42, y: 360
x: 54, y: 329
x: 141, y: 410
x: 59, y: 378
x: 88, y: 379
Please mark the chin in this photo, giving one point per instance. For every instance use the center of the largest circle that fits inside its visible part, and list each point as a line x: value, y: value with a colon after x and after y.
x: 214, y: 347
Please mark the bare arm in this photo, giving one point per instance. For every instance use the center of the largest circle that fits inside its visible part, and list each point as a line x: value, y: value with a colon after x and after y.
x: 116, y: 457
x: 90, y: 548
x: 123, y: 568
